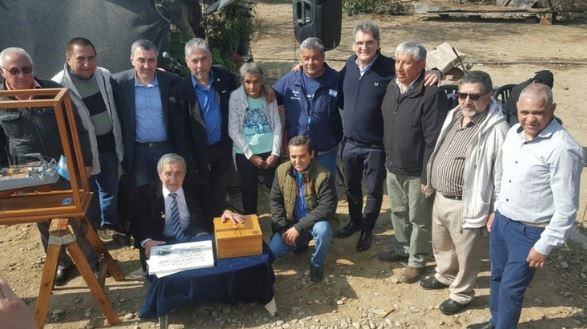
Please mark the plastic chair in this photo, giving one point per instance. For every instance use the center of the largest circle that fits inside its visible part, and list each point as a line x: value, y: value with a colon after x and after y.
x: 502, y: 93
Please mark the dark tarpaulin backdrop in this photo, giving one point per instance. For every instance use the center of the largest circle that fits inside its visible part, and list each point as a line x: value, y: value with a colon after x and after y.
x: 43, y: 28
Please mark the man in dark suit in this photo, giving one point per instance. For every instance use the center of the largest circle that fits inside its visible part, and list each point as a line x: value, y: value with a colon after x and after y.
x: 167, y: 210
x: 199, y: 115
x: 141, y: 95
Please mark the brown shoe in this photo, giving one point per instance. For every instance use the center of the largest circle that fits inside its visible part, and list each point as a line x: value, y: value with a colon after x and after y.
x: 410, y: 274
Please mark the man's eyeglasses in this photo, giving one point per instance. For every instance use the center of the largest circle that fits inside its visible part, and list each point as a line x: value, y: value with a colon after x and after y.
x: 16, y: 71
x: 473, y: 97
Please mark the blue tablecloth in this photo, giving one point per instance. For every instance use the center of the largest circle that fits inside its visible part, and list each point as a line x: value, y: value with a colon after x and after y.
x: 243, y: 279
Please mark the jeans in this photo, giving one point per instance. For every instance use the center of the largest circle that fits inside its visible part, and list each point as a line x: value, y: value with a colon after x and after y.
x: 321, y: 232
x: 106, y: 184
x: 248, y: 175
x: 359, y: 161
x: 509, y: 244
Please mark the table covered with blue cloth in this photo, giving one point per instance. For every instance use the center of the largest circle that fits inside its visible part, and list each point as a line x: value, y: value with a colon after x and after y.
x: 243, y: 279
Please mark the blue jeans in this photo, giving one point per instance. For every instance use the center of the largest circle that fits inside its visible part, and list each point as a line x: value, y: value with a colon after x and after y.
x: 509, y: 244
x: 328, y: 160
x: 321, y: 233
x: 106, y: 184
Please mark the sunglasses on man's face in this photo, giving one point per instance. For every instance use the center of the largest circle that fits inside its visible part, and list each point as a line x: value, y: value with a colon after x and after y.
x: 473, y: 97
x: 16, y: 70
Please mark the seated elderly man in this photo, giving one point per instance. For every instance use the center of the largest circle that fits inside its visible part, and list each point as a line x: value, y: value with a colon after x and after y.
x: 302, y: 201
x: 167, y: 210
x: 412, y: 117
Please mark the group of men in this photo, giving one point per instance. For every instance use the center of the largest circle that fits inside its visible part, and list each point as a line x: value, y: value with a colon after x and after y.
x: 449, y: 172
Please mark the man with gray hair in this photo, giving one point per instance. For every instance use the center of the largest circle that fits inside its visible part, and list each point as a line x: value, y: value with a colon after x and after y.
x: 310, y: 99
x: 171, y: 210
x: 200, y: 119
x: 412, y: 117
x: 25, y: 131
x: 460, y: 173
x: 141, y: 95
x: 537, y: 185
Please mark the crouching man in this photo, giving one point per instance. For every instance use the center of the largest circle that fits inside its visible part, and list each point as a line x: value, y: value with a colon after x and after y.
x: 303, y: 202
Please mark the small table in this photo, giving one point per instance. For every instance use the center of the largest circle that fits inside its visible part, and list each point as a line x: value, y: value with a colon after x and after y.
x: 243, y: 279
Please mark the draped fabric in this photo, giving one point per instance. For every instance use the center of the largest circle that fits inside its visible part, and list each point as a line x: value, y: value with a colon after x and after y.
x: 43, y: 29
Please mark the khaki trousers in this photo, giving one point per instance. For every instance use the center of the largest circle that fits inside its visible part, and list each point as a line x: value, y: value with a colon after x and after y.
x: 457, y: 250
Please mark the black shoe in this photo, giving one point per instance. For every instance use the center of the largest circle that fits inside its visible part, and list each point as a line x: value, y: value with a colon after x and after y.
x: 316, y: 273
x: 348, y: 230
x: 365, y: 240
x: 431, y: 283
x: 484, y: 325
x: 450, y: 307
x: 392, y: 256
x: 62, y: 275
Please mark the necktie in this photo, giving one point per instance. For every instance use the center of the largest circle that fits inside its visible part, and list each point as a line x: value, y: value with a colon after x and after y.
x: 174, y: 217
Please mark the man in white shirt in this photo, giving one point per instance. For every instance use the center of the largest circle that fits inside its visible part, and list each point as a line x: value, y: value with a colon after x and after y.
x: 537, y: 188
x: 169, y: 211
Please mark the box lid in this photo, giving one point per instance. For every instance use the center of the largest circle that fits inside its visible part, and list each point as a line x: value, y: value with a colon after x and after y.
x: 229, y: 230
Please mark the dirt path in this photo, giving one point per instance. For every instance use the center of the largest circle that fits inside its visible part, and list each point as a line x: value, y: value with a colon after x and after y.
x: 359, y: 289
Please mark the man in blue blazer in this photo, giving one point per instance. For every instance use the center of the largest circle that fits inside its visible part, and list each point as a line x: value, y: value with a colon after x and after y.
x: 141, y: 96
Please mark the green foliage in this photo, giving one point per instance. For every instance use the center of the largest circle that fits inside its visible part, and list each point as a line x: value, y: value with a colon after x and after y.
x: 178, y: 40
x: 228, y: 32
x: 353, y: 7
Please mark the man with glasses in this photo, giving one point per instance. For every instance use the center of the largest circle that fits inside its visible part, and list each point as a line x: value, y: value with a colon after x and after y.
x: 412, y: 118
x: 461, y: 175
x: 91, y: 92
x: 25, y: 131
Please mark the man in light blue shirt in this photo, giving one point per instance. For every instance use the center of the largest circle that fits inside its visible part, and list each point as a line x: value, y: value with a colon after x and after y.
x: 537, y: 186
x: 142, y: 98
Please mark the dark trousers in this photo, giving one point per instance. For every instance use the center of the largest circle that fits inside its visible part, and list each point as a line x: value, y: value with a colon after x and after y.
x: 509, y: 244
x: 370, y: 163
x: 145, y: 163
x: 220, y: 160
x: 248, y: 175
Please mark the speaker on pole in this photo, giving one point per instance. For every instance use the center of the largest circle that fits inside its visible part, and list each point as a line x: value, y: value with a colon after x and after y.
x: 318, y: 18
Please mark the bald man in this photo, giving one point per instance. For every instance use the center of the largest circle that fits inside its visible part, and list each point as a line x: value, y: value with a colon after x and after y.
x: 537, y: 188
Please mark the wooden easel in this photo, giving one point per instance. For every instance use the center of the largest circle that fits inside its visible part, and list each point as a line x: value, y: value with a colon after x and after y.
x: 66, y: 210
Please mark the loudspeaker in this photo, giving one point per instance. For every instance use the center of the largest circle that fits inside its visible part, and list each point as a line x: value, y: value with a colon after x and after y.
x: 318, y: 18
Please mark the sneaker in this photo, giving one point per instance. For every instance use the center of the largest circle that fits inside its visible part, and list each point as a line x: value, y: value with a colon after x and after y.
x: 410, y: 274
x: 316, y: 273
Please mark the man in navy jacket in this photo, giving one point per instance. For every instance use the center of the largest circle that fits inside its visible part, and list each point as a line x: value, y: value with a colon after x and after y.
x: 310, y: 99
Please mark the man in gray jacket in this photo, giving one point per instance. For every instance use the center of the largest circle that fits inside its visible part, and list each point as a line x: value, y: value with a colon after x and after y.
x: 91, y: 93
x: 461, y: 173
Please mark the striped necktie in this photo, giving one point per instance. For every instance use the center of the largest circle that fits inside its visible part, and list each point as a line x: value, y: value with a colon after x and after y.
x: 174, y: 217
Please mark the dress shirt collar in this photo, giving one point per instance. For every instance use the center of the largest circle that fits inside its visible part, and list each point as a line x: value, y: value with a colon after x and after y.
x: 152, y: 83
x: 178, y: 193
